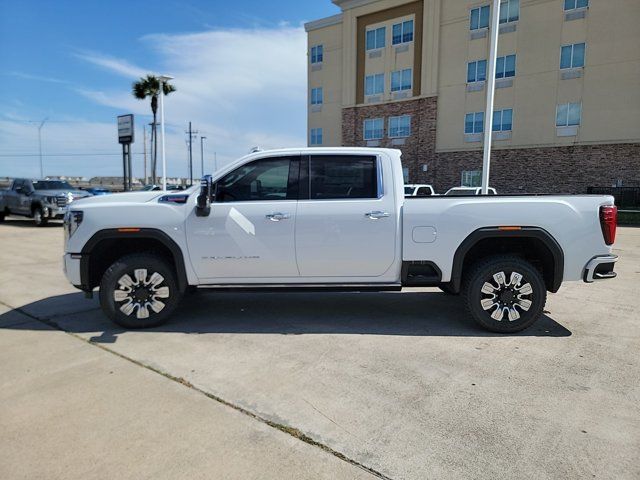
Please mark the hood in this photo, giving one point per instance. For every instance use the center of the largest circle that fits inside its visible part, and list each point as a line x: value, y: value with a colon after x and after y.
x: 58, y: 193
x: 115, y: 198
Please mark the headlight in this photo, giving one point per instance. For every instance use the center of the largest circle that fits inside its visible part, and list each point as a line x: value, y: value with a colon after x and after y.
x: 72, y: 220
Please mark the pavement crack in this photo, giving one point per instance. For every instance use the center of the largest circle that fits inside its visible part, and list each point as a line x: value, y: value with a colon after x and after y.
x: 293, y: 431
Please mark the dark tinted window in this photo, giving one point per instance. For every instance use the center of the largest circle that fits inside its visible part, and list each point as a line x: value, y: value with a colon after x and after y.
x: 51, y: 185
x: 461, y: 193
x: 343, y: 176
x: 266, y: 179
x: 423, y: 192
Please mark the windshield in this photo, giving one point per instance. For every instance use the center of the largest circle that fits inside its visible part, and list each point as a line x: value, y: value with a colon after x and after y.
x: 408, y: 190
x: 51, y: 185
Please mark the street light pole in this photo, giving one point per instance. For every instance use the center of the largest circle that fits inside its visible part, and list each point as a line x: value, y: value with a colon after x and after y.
x: 491, y: 86
x: 40, y: 145
x: 202, y: 154
x: 163, y: 79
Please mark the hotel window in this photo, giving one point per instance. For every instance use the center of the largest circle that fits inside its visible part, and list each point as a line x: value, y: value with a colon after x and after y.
x: 316, y: 136
x: 506, y: 66
x: 509, y: 11
x: 477, y: 71
x: 575, y: 4
x: 373, y: 128
x: 474, y: 122
x: 471, y: 178
x: 401, y: 80
x: 316, y: 96
x: 400, y: 126
x: 374, y: 84
x: 502, y: 120
x: 572, y: 56
x: 479, y: 18
x: 375, y: 38
x: 317, y: 54
x: 568, y: 114
x: 402, y: 32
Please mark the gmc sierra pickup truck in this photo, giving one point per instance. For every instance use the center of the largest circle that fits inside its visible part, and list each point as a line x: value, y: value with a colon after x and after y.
x: 42, y: 200
x: 336, y: 219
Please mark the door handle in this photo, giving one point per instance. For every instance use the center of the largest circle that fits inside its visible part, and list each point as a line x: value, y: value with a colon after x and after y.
x: 376, y: 215
x: 277, y: 216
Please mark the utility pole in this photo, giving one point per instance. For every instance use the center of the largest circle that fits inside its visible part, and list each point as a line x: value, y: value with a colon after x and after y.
x: 144, y: 149
x: 40, y: 145
x: 491, y: 86
x: 202, y: 155
x: 163, y: 79
x: 192, y: 134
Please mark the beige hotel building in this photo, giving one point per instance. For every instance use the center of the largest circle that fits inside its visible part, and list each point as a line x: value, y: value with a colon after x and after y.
x: 412, y: 75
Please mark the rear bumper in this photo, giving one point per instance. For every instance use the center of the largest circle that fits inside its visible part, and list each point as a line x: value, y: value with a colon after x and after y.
x: 600, y: 268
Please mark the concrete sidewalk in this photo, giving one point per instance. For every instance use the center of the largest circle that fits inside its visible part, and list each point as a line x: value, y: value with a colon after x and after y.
x: 70, y: 410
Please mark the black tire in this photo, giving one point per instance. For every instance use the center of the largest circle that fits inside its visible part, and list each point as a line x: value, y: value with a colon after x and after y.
x: 446, y: 288
x: 39, y: 218
x: 3, y: 214
x: 140, y: 293
x: 504, y: 296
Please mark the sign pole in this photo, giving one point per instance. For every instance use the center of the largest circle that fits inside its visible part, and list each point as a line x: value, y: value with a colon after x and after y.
x: 491, y: 86
x: 126, y: 138
x: 124, y: 167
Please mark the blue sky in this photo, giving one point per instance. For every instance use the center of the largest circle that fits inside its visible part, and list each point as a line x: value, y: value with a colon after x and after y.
x: 240, y: 70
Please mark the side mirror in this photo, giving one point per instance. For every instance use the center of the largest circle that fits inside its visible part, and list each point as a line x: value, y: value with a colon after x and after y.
x: 19, y: 190
x: 203, y: 202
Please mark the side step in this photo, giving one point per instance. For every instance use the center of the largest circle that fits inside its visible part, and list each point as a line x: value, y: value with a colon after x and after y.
x: 305, y: 287
x: 420, y: 274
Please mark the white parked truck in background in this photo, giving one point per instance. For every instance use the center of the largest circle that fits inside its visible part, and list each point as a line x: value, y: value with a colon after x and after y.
x: 334, y: 218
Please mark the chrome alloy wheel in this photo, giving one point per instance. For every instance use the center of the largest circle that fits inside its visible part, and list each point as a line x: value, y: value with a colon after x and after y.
x: 506, y: 298
x: 141, y: 294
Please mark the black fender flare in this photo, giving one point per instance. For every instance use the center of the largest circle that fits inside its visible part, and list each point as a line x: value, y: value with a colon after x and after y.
x: 496, y: 232
x: 127, y: 233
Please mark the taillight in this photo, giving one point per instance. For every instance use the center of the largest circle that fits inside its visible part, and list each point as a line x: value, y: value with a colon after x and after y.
x: 609, y: 223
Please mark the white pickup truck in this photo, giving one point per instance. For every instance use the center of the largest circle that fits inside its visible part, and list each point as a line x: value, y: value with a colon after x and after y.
x: 335, y: 219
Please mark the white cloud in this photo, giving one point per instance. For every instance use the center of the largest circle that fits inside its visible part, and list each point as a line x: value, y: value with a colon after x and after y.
x: 239, y: 87
x: 112, y: 64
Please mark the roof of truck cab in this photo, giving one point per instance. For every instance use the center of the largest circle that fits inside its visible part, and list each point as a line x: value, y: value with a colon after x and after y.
x: 310, y: 150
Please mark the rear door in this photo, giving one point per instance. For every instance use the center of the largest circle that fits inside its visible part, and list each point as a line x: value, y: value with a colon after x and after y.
x: 346, y: 223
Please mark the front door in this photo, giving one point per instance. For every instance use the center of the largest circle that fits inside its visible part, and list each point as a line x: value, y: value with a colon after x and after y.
x: 249, y: 234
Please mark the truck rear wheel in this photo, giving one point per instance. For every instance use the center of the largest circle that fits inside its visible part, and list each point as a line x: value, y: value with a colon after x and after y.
x: 139, y: 291
x: 504, y: 294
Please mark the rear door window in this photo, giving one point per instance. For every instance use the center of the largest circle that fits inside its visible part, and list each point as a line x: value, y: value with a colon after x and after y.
x: 333, y: 177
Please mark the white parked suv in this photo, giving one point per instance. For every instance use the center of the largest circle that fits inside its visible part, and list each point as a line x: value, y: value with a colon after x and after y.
x: 335, y: 219
x: 418, y: 190
x: 468, y: 191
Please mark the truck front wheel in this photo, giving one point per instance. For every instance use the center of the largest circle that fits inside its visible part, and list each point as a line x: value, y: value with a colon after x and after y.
x: 139, y: 291
x: 504, y: 294
x: 39, y: 218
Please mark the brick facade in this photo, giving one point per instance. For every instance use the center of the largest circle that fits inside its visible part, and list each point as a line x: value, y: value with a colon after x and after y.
x: 567, y: 169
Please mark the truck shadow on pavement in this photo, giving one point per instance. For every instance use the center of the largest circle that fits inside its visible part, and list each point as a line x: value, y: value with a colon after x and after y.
x: 286, y: 313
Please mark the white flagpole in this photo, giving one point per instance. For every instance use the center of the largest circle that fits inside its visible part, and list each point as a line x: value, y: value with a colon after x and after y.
x: 491, y: 86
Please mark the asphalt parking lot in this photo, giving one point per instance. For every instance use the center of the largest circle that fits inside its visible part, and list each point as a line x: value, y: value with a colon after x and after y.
x: 294, y: 385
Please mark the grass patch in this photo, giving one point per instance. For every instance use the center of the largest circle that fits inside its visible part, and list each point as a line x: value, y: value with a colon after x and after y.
x: 629, y: 218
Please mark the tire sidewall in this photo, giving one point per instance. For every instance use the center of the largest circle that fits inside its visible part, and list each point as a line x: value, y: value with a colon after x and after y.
x: 127, y: 265
x: 484, y: 271
x: 38, y: 217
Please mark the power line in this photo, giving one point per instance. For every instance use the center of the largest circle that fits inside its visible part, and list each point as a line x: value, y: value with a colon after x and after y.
x: 66, y: 154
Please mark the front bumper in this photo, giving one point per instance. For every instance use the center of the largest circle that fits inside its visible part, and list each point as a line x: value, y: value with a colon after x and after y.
x: 600, y: 268
x: 53, y: 211
x: 71, y: 263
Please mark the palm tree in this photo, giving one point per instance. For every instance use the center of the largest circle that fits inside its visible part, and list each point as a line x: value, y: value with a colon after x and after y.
x: 146, y: 87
